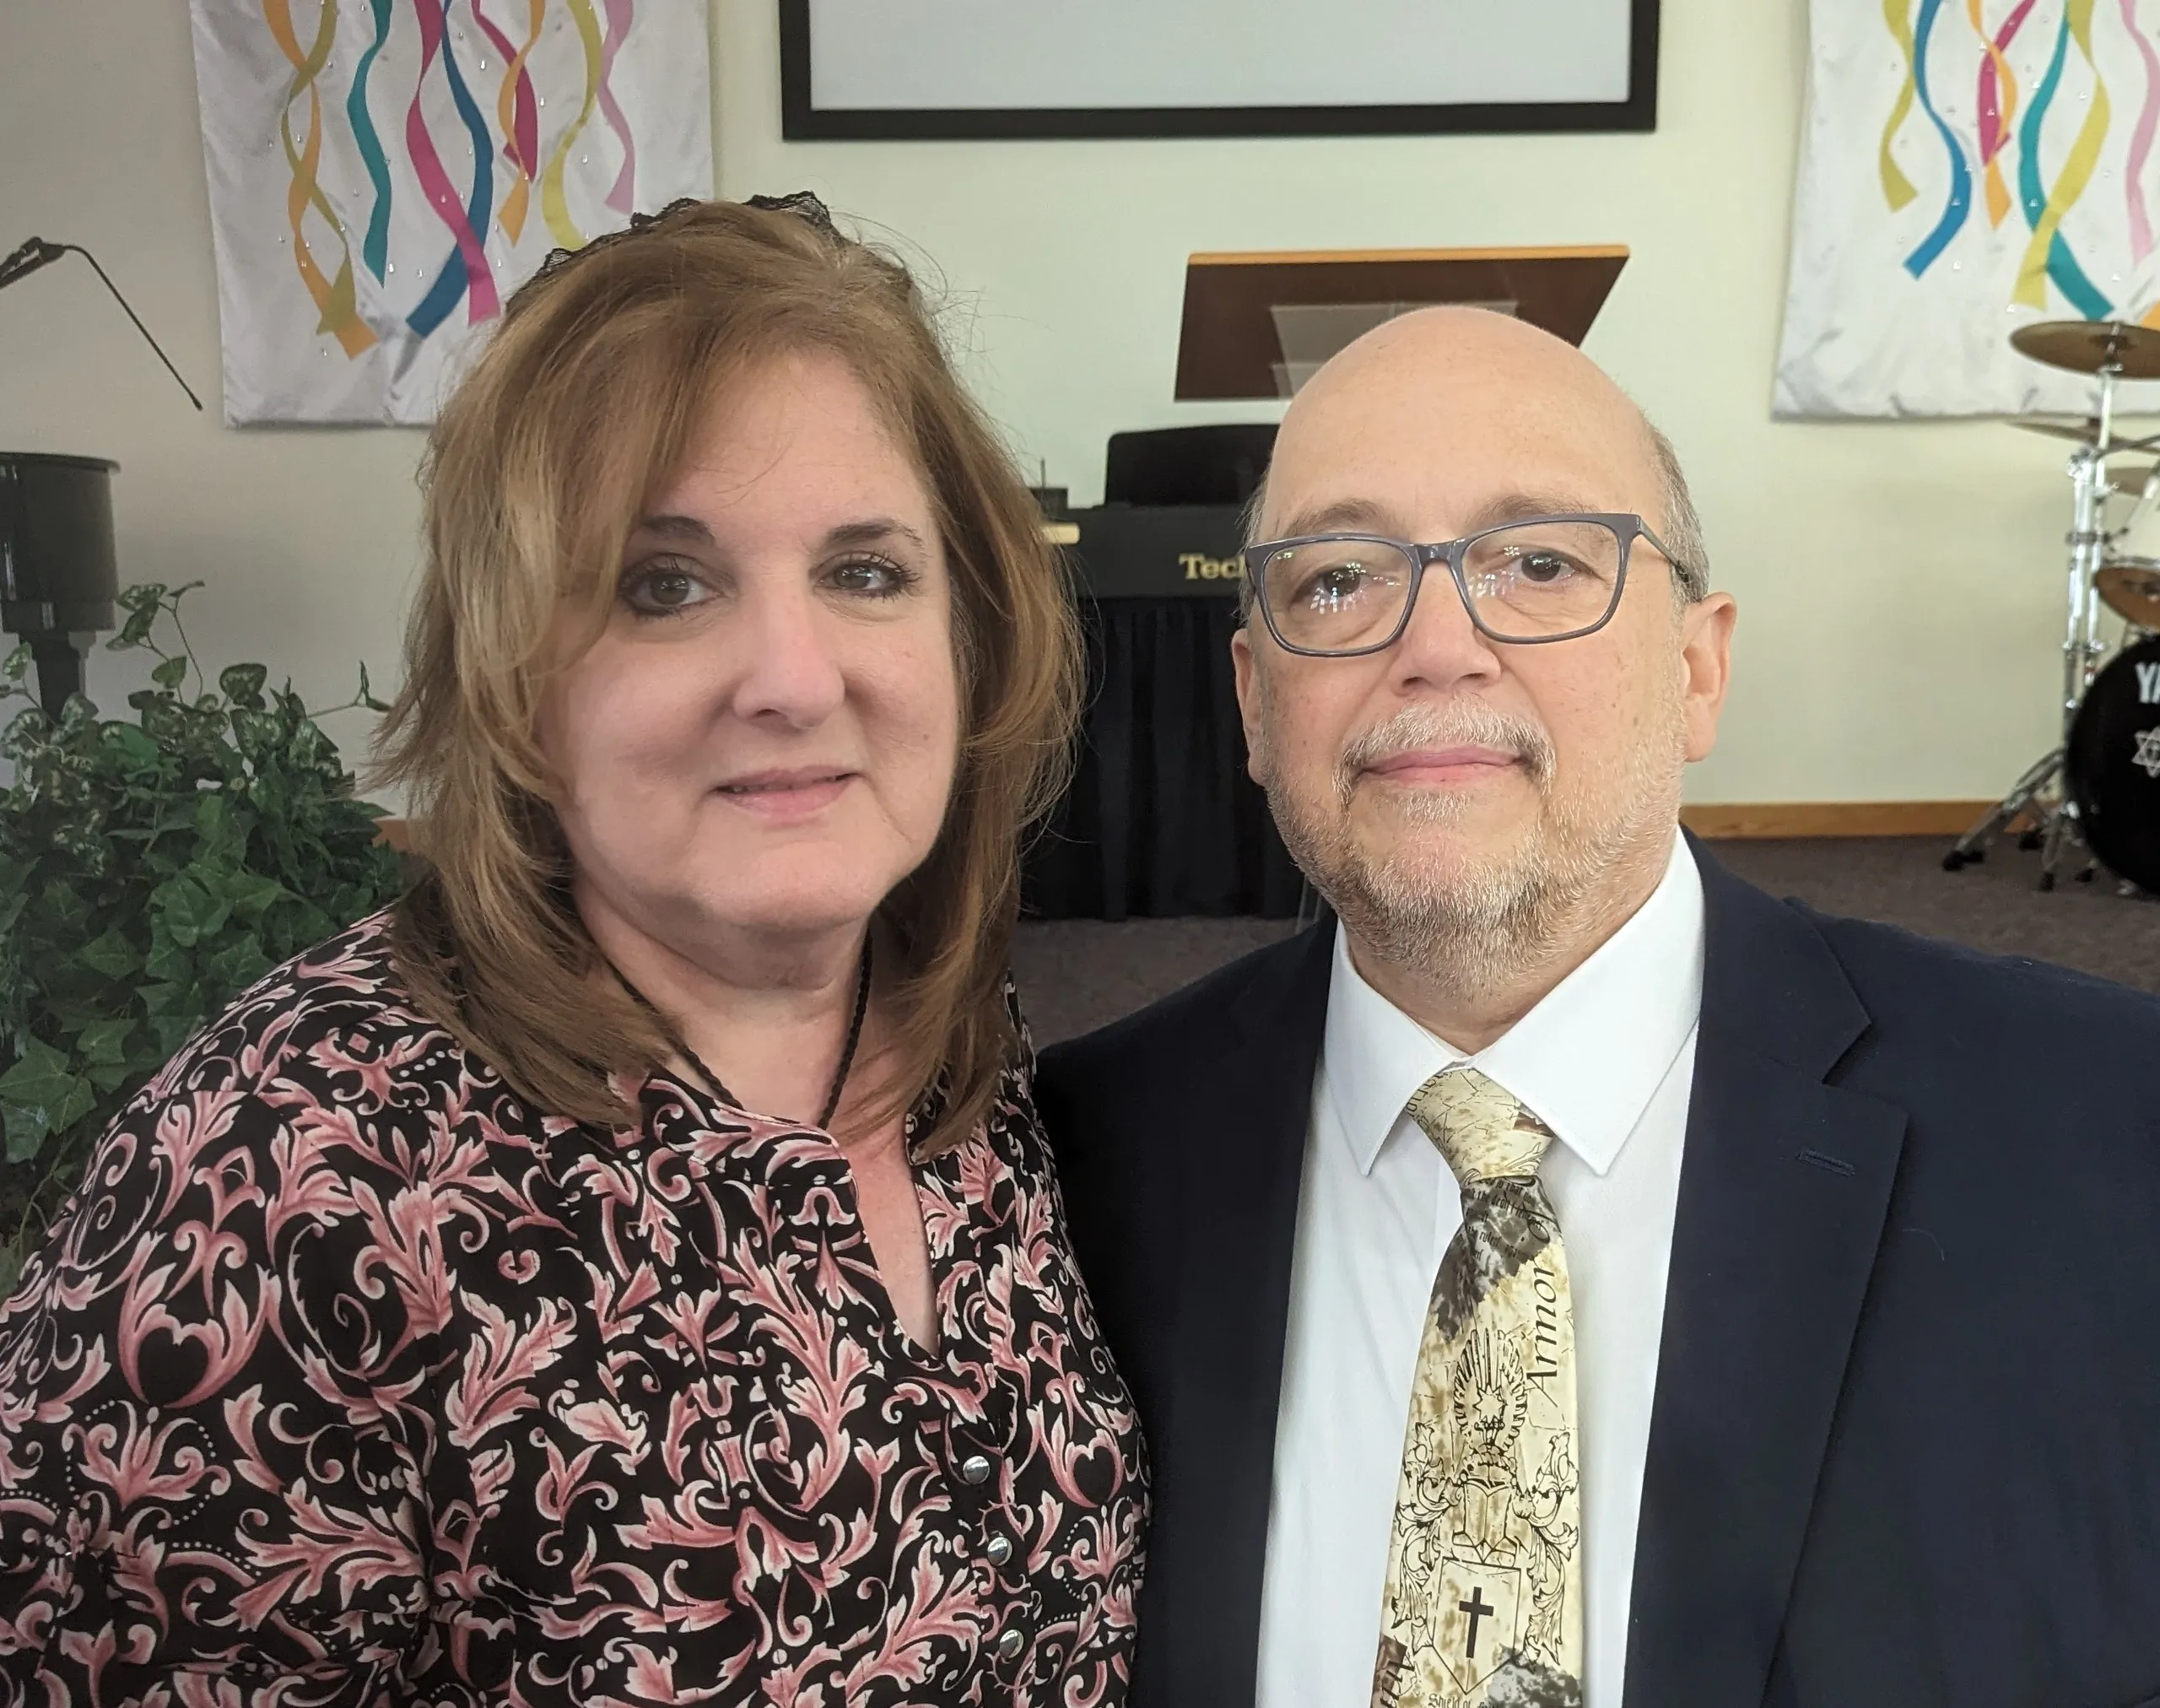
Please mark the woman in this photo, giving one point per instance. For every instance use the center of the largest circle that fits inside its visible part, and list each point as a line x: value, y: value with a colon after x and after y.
x: 630, y: 1270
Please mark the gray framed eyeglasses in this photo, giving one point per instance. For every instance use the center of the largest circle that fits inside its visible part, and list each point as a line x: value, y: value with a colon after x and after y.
x: 1524, y: 583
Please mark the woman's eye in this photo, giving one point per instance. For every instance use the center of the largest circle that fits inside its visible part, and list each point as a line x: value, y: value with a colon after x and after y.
x: 662, y: 589
x: 877, y: 577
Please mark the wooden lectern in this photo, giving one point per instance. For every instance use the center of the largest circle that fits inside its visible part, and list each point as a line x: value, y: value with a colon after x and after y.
x: 1258, y: 325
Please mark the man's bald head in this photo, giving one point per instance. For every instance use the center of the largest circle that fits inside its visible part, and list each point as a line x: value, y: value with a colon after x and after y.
x: 1462, y: 341
x: 1469, y: 366
x: 1481, y: 810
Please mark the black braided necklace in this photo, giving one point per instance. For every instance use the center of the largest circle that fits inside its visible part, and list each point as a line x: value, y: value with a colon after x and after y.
x: 824, y: 1121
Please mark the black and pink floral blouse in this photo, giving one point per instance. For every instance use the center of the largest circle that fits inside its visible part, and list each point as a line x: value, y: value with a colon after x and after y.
x: 347, y: 1380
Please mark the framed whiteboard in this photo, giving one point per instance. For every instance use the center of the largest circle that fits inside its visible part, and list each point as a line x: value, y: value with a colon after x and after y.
x: 924, y: 69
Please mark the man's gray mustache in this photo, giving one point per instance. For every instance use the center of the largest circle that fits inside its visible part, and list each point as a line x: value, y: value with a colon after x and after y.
x: 1467, y: 724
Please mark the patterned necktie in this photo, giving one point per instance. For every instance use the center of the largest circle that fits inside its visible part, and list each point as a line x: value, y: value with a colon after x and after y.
x: 1484, y: 1601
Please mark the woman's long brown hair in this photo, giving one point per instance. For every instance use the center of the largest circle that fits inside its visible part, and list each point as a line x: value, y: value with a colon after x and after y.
x: 582, y: 406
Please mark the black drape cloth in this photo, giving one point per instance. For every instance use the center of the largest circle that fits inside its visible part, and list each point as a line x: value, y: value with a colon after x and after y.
x: 1162, y: 818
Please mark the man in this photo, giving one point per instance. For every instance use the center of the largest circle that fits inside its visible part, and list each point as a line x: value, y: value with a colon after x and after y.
x: 1577, y: 1277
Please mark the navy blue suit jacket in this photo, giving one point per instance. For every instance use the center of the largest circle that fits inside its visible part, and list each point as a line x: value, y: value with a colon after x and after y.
x: 1905, y: 1450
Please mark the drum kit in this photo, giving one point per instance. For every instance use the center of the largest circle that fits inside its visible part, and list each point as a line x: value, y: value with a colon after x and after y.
x: 2099, y: 792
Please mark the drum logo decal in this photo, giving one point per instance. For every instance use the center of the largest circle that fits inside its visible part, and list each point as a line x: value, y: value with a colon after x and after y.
x: 2146, y: 759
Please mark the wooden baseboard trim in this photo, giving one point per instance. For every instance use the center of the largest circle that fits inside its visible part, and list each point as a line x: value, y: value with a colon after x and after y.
x: 1835, y: 818
x: 1720, y: 823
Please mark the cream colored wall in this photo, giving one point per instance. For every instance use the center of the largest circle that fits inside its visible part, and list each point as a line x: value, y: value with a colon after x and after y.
x: 1898, y: 581
x: 306, y: 539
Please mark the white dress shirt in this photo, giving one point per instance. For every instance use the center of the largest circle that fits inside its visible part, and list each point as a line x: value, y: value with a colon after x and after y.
x: 1606, y: 1061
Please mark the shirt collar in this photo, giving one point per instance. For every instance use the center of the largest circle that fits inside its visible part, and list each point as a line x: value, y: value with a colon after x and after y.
x: 1586, y: 1060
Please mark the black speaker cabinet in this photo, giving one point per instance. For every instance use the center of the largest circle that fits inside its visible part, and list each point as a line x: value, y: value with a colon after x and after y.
x: 59, y: 574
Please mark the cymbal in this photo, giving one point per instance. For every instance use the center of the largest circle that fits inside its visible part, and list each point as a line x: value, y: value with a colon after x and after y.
x: 2130, y: 589
x: 2079, y: 429
x: 2086, y: 346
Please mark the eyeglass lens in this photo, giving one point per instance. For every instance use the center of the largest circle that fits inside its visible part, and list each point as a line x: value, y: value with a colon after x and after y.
x: 1534, y: 582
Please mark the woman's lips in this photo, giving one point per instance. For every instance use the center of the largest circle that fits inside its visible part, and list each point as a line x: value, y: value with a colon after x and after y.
x: 1442, y: 767
x: 786, y: 797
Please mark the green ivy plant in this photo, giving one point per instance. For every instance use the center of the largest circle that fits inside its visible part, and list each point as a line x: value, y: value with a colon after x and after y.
x: 150, y: 871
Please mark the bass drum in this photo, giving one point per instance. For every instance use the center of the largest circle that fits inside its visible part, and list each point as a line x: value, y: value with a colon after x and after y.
x: 2113, y: 764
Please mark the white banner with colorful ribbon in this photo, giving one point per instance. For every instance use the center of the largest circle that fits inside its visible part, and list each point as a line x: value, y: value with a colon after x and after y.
x: 1969, y: 166
x: 384, y: 173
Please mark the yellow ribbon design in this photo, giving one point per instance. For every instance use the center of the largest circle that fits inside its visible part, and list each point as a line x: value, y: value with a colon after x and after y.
x: 1897, y: 188
x: 512, y: 217
x: 334, y: 299
x: 554, y: 205
x: 2077, y: 168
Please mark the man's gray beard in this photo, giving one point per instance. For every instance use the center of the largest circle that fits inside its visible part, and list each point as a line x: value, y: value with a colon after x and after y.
x: 1479, y: 925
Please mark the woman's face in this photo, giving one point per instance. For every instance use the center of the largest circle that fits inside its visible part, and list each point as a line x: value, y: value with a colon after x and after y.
x: 764, y: 738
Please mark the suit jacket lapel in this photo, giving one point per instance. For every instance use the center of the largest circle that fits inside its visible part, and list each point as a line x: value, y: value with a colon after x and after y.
x: 1215, y: 1440
x: 1783, y: 1186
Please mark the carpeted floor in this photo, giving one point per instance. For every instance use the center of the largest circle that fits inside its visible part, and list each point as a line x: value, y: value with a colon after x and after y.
x: 1076, y: 975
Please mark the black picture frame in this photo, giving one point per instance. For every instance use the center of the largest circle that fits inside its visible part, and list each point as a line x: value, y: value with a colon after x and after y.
x: 801, y: 121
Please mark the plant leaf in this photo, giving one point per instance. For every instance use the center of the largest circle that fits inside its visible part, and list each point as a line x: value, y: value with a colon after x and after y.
x: 242, y: 683
x: 167, y: 964
x: 137, y: 749
x: 187, y: 909
x: 175, y: 1029
x: 112, y: 953
x: 169, y: 1001
x: 367, y: 694
x: 42, y: 1084
x: 135, y: 631
x: 236, y: 966
x: 251, y: 894
x: 26, y: 1130
x: 149, y: 865
x: 81, y: 1099
x: 214, y: 825
x: 104, y: 1042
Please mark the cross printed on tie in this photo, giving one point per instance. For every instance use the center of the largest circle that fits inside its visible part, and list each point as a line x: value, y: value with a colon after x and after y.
x: 1475, y: 1607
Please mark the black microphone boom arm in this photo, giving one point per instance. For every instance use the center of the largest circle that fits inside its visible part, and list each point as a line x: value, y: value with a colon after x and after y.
x: 37, y: 252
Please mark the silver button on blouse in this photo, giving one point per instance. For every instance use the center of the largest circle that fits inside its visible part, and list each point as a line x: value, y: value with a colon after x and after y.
x: 974, y: 1470
x: 998, y: 1551
x: 1010, y: 1644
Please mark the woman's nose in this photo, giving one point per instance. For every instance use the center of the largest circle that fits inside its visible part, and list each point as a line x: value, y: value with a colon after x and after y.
x: 790, y: 669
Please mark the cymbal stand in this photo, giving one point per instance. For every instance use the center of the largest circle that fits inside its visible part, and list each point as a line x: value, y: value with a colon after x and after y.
x: 2041, y: 791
